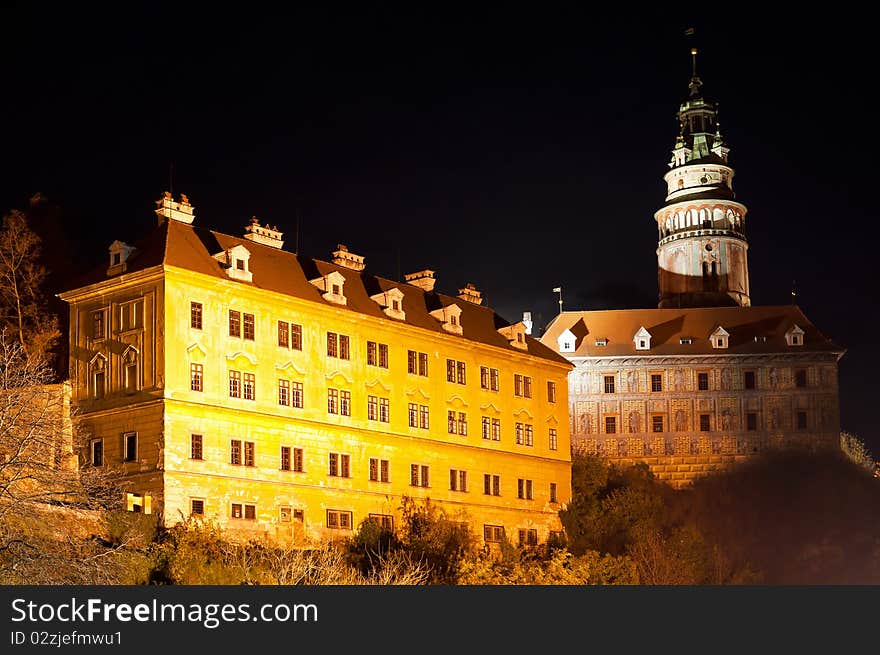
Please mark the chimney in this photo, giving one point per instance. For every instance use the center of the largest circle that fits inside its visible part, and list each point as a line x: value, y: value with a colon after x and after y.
x: 470, y: 293
x: 527, y: 322
x: 179, y: 211
x: 342, y: 257
x: 421, y: 279
x: 268, y: 236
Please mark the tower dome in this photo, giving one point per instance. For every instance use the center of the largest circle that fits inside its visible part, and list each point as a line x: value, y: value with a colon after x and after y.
x: 702, y: 248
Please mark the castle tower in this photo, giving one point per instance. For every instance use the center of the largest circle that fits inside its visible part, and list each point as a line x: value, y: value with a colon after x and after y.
x: 702, y: 250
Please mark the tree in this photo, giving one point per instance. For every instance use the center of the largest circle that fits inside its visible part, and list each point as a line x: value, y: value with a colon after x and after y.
x: 53, y: 516
x: 856, y: 451
x: 23, y: 310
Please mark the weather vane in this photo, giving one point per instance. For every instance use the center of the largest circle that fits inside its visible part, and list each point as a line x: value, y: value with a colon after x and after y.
x: 559, y: 291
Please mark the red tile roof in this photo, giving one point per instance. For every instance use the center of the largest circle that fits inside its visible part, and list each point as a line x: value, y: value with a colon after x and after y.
x: 668, y: 326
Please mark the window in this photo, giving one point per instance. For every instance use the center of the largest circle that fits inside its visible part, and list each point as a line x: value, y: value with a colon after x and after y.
x: 528, y: 537
x: 491, y: 484
x: 345, y: 403
x: 338, y: 519
x: 298, y: 460
x: 250, y: 386
x: 524, y: 489
x: 518, y: 433
x: 100, y: 384
x: 250, y: 512
x: 418, y: 475
x: 296, y: 337
x: 456, y: 422
x: 332, y: 344
x: 130, y: 380
x: 609, y: 384
x: 299, y: 515
x: 413, y: 415
x: 751, y: 421
x: 195, y: 447
x: 551, y: 391
x: 704, y: 422
x: 332, y: 401
x: 493, y: 379
x: 529, y: 435
x: 234, y: 384
x: 703, y: 381
x: 378, y: 469
x: 610, y: 424
x: 130, y: 446
x: 195, y: 315
x: 383, y: 355
x: 517, y: 384
x: 527, y: 386
x: 657, y: 423
x: 455, y: 371
x: 411, y: 363
x: 553, y: 493
x: 423, y: 417
x: 197, y: 507
x: 489, y: 378
x: 801, y: 420
x: 234, y: 323
x: 99, y: 324
x: 284, y: 334
x: 552, y: 440
x: 486, y: 428
x: 496, y: 429
x: 235, y: 452
x: 457, y: 480
x: 462, y: 424
x: 372, y: 353
x: 451, y: 425
x: 284, y: 514
x: 372, y: 408
x: 423, y: 364
x: 493, y: 533
x: 285, y: 458
x: 296, y: 394
x: 384, y: 410
x: 196, y: 373
x: 749, y: 379
x: 656, y: 382
x: 249, y: 453
x: 384, y: 521
x: 284, y: 392
x: 800, y: 378
x: 340, y: 465
x: 249, y: 327
x: 685, y: 341
x: 344, y: 347
x: 131, y: 315
x: 98, y: 452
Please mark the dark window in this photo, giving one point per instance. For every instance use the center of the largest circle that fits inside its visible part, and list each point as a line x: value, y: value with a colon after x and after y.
x: 372, y: 353
x: 296, y: 394
x: 657, y: 423
x: 411, y: 361
x: 656, y: 382
x: 423, y: 364
x: 344, y: 347
x: 195, y: 447
x: 195, y: 377
x: 493, y: 533
x: 801, y: 420
x: 98, y: 324
x: 553, y: 492
x: 751, y: 421
x: 130, y: 446
x: 332, y: 344
x: 100, y: 385
x: 249, y: 327
x: 197, y: 507
x: 250, y: 512
x: 800, y: 378
x: 97, y: 453
x: 285, y: 458
x: 460, y: 368
x: 551, y: 391
x: 195, y: 315
x: 609, y: 384
x: 234, y: 323
x: 298, y: 460
x: 283, y: 334
x: 749, y: 379
x: 249, y: 387
x: 296, y: 341
x: 610, y: 424
x: 235, y: 452
x: 249, y: 453
x: 703, y: 381
x: 704, y: 422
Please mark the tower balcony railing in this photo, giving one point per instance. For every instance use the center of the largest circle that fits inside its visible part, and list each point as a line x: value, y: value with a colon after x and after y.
x: 668, y: 236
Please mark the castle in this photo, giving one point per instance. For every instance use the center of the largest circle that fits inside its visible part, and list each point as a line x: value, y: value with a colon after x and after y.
x: 705, y: 379
x: 293, y: 398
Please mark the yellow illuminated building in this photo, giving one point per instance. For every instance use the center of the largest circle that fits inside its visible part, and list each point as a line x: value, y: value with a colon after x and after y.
x: 294, y: 398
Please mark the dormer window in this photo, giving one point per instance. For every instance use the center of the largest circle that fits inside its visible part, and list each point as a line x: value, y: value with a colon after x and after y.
x: 794, y: 336
x: 515, y: 335
x: 760, y: 338
x: 333, y: 286
x: 720, y: 338
x: 642, y: 339
x: 685, y: 341
x: 237, y: 263
x: 601, y: 343
x: 119, y: 254
x: 450, y: 318
x: 392, y: 302
x: 566, y: 341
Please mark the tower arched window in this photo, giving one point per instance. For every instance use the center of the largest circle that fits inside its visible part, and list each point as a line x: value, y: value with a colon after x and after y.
x: 130, y: 372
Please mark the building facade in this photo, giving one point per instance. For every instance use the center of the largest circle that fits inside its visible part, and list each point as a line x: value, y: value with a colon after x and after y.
x: 705, y: 379
x: 294, y: 398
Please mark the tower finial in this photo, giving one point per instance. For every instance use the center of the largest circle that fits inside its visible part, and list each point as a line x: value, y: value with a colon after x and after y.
x: 694, y: 61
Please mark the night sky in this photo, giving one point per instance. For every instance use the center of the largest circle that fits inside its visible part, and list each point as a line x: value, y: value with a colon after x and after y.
x: 517, y: 149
